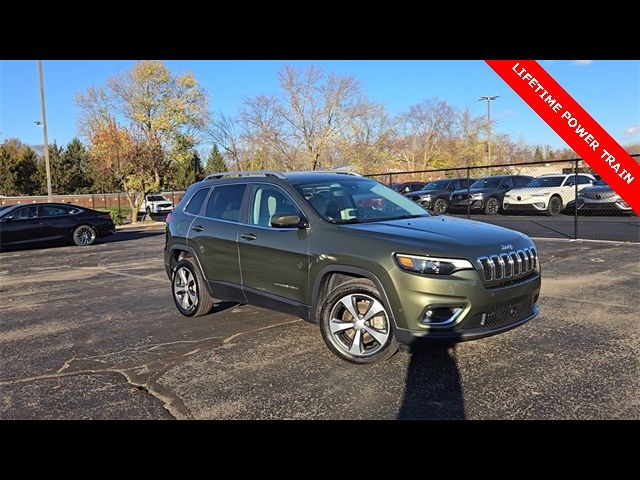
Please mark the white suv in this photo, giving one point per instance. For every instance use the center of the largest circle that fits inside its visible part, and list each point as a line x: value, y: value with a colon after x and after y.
x: 156, y: 204
x: 547, y: 193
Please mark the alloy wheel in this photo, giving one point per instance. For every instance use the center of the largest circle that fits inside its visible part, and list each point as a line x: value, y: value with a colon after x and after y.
x: 359, y: 325
x: 84, y: 235
x: 185, y: 289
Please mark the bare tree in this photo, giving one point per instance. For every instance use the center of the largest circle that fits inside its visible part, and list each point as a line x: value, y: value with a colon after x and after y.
x: 315, y: 109
x: 224, y: 132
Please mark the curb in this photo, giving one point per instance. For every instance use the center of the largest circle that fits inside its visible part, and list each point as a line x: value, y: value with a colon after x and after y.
x: 140, y: 225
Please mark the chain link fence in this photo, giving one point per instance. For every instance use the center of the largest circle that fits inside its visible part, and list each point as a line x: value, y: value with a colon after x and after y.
x: 555, y: 199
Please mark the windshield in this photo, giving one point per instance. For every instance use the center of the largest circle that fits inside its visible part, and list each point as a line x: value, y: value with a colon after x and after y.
x: 546, y: 182
x: 437, y: 185
x: 156, y: 198
x: 4, y: 209
x: 490, y: 182
x: 358, y: 201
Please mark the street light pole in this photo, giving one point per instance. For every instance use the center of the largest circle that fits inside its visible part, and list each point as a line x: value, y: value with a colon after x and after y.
x: 488, y: 99
x: 44, y: 131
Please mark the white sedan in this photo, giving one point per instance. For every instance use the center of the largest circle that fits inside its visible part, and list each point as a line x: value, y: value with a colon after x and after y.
x: 548, y: 193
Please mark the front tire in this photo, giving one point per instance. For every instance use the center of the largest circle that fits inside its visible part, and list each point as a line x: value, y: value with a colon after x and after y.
x: 492, y: 207
x: 189, y: 291
x: 555, y: 206
x: 84, y: 235
x: 368, y: 339
x: 441, y: 206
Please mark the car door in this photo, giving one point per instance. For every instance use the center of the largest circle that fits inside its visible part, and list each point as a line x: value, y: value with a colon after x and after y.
x: 213, y: 235
x: 55, y: 222
x: 505, y: 185
x: 275, y: 261
x: 20, y: 227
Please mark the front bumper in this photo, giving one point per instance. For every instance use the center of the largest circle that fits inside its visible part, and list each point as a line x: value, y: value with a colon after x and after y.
x: 487, y: 310
x: 162, y: 210
x: 474, y: 204
x: 532, y: 204
x: 594, y: 206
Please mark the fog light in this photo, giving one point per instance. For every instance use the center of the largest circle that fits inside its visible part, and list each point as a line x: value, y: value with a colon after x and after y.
x: 441, y: 316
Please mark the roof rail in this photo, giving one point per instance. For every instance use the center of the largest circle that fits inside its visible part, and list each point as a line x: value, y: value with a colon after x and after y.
x: 248, y: 173
x: 341, y: 172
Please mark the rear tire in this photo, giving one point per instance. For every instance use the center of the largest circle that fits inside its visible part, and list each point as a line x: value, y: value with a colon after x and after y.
x: 492, y: 207
x: 84, y: 235
x: 370, y: 339
x: 189, y: 289
x: 555, y: 206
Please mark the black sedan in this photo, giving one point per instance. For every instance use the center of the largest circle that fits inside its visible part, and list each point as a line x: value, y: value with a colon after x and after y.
x: 51, y: 223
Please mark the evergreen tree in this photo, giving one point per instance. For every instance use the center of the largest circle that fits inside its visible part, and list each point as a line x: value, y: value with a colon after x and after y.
x: 26, y: 172
x: 215, y: 162
x: 538, y: 156
x: 75, y: 176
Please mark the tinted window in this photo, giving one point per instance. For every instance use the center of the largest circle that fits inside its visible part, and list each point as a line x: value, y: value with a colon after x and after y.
x: 194, y: 205
x: 583, y: 180
x: 436, y: 185
x: 416, y: 186
x: 53, y: 211
x: 507, y: 182
x: 455, y: 185
x: 156, y: 198
x: 25, y: 212
x: 490, y: 182
x: 269, y: 201
x: 225, y: 202
x: 546, y: 182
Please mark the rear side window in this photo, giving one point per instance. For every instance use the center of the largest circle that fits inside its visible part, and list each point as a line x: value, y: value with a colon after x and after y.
x: 195, y: 204
x: 53, y: 211
x: 225, y: 202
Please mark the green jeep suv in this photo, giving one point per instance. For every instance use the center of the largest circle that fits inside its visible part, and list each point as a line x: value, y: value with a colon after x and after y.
x: 367, y: 264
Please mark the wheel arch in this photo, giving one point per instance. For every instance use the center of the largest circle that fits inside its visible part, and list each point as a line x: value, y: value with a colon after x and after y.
x: 178, y: 252
x: 332, y: 275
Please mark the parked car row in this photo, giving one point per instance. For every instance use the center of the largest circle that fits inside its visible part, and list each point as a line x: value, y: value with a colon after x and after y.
x: 549, y: 194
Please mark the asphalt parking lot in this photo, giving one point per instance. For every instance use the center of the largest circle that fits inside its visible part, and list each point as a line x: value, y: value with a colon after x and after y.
x: 619, y: 228
x: 93, y: 333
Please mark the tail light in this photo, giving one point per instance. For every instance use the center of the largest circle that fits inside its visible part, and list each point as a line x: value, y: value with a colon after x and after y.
x: 106, y: 216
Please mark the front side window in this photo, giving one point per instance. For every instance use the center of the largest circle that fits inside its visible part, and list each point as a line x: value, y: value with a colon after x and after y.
x: 25, y: 212
x: 506, y: 183
x: 269, y: 201
x: 195, y: 204
x: 584, y: 180
x: 358, y: 201
x: 225, y: 202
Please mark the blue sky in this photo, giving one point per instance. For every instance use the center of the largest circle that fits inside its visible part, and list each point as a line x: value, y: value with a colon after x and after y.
x: 609, y: 90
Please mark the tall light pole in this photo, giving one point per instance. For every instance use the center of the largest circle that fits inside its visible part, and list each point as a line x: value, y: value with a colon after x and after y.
x: 488, y: 98
x: 44, y: 131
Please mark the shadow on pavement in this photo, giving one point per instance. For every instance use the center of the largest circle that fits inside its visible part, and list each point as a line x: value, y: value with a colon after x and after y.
x: 433, y: 390
x: 125, y: 235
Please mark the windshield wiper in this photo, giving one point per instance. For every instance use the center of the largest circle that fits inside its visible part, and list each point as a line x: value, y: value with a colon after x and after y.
x: 343, y: 222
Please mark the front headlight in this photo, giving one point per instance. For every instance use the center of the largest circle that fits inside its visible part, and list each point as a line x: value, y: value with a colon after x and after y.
x: 425, y: 197
x: 431, y: 265
x: 544, y: 194
x: 477, y: 195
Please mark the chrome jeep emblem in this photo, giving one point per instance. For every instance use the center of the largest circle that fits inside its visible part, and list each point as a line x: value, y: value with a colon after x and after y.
x: 506, y: 247
x: 598, y: 196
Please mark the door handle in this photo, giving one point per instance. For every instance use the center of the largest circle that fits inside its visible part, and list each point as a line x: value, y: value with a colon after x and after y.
x: 197, y: 228
x: 249, y: 236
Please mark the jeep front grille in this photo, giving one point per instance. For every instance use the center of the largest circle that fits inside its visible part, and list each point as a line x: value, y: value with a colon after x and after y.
x: 508, y: 265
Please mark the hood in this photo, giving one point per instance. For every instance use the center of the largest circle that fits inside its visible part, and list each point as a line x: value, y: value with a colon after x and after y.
x: 443, y: 236
x: 597, y: 189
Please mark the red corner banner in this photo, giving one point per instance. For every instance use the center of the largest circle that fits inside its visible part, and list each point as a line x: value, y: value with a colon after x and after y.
x: 576, y: 127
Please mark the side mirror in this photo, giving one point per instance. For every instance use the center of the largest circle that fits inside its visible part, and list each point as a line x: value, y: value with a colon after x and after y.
x: 288, y: 220
x: 7, y: 220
